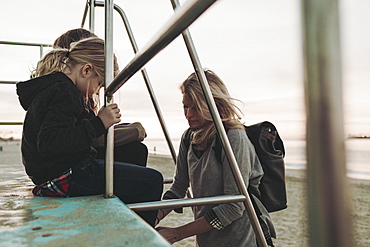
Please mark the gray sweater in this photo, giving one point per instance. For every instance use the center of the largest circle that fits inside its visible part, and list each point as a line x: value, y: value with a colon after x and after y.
x: 208, y: 177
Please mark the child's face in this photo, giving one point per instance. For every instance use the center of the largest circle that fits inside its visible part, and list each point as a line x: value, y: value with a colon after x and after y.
x: 190, y: 112
x: 94, y: 86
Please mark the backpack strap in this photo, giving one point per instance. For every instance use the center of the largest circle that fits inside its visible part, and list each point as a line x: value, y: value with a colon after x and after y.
x: 187, y: 142
x: 264, y: 227
x: 217, y: 148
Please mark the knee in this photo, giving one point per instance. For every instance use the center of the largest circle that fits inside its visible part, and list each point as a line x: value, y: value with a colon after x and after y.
x: 157, y: 176
x: 157, y: 179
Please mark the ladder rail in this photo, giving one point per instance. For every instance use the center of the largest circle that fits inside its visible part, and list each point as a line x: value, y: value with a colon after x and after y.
x: 146, y: 79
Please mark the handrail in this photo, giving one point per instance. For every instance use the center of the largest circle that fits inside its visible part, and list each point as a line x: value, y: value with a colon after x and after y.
x: 85, y: 13
x: 182, y: 18
x: 92, y: 16
x: 177, y: 203
x: 11, y: 123
x: 146, y: 79
x: 8, y: 82
x: 185, y: 16
x: 27, y: 44
x: 221, y: 132
x: 41, y: 45
x: 108, y: 100
x: 24, y: 43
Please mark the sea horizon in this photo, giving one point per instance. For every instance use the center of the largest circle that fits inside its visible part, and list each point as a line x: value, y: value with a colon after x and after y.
x: 357, y: 153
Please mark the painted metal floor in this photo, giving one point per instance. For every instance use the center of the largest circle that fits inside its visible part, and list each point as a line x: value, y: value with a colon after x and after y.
x: 79, y: 221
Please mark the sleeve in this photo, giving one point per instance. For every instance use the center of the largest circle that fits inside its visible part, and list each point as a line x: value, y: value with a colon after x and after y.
x: 61, y: 131
x: 181, y: 178
x: 227, y: 213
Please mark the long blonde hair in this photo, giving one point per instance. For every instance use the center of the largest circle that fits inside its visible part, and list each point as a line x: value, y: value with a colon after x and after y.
x: 230, y: 114
x: 89, y: 50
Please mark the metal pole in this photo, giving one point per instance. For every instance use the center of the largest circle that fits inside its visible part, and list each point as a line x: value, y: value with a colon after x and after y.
x: 11, y: 123
x: 92, y: 16
x: 109, y: 69
x: 41, y: 46
x: 177, y: 203
x: 8, y: 82
x: 146, y: 79
x: 329, y: 212
x: 181, y: 20
x: 24, y: 43
x: 85, y: 14
x: 221, y: 131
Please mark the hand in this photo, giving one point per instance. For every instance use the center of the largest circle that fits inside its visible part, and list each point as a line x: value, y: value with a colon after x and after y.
x: 172, y: 235
x: 109, y: 115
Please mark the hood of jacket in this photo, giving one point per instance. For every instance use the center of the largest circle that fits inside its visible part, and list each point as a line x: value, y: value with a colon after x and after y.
x: 28, y: 90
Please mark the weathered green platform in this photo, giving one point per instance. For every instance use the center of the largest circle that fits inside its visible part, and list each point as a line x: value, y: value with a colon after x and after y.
x: 80, y: 221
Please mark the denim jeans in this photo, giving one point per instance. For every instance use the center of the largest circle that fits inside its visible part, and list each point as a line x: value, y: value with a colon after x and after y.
x: 132, y: 183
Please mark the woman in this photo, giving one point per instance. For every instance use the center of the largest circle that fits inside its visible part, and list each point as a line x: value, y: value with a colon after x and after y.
x: 58, y: 134
x: 198, y: 167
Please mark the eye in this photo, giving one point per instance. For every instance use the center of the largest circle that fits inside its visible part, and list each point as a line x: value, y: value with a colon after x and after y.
x: 186, y: 107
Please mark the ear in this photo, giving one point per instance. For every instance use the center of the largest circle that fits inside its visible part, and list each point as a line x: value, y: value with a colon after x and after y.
x: 86, y: 70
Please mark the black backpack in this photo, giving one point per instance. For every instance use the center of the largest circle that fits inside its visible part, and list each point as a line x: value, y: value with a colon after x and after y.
x: 270, y: 151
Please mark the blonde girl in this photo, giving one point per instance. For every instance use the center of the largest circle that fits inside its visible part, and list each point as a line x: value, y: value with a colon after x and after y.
x: 58, y: 133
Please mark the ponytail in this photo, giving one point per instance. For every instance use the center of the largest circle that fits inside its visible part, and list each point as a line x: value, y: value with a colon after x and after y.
x: 53, y: 61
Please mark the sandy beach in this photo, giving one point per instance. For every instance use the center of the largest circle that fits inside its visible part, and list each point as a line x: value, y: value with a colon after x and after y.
x: 291, y: 223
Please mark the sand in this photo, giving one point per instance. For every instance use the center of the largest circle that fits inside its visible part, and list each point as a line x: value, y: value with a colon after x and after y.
x: 291, y: 224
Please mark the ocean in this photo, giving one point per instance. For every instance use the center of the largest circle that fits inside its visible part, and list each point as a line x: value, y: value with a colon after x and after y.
x: 358, y: 154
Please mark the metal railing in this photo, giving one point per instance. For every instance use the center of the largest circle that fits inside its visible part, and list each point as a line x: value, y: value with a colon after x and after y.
x: 42, y: 46
x: 145, y: 77
x: 182, y: 18
x: 329, y: 220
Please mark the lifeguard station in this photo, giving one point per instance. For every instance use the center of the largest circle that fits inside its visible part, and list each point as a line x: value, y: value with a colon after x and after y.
x: 104, y: 220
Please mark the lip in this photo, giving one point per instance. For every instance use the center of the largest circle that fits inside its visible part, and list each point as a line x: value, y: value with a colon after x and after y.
x: 193, y: 123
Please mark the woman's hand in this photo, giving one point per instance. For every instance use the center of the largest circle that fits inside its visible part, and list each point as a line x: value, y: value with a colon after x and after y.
x: 109, y: 115
x: 172, y: 235
x: 195, y: 227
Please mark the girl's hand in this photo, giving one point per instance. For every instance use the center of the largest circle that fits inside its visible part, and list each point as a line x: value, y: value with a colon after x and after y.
x: 109, y: 115
x: 172, y: 235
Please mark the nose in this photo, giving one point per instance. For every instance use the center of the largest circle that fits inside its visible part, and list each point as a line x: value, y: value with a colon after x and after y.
x: 189, y: 113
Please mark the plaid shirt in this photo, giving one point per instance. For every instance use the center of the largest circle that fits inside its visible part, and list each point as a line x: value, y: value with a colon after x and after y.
x: 57, y: 187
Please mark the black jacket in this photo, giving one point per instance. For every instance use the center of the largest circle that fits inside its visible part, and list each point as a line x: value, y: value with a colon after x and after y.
x: 57, y: 133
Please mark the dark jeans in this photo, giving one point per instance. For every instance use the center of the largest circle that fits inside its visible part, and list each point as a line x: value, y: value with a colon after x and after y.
x: 133, y: 152
x: 132, y: 183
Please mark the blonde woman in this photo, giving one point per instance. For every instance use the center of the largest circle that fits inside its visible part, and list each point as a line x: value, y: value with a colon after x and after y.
x: 57, y: 134
x: 197, y: 167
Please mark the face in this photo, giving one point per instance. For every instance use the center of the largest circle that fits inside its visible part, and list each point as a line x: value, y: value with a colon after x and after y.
x: 94, y: 86
x: 194, y: 119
